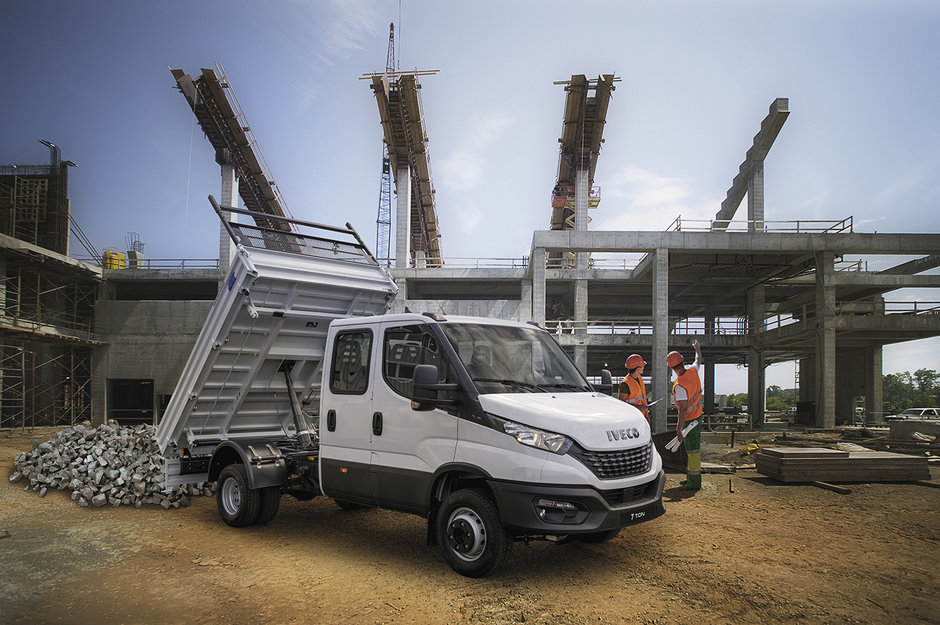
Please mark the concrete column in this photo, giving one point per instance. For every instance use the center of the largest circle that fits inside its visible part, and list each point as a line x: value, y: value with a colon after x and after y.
x: 580, y: 320
x: 658, y: 371
x: 709, y: 384
x: 581, y: 190
x: 403, y: 216
x: 539, y: 258
x: 228, y: 197
x: 874, y: 397
x: 755, y: 198
x: 755, y: 376
x: 825, y: 341
x: 755, y: 388
x: 525, y: 304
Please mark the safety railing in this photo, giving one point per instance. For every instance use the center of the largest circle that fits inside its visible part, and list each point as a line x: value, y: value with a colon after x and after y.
x: 644, y: 325
x: 763, y: 225
x: 155, y: 263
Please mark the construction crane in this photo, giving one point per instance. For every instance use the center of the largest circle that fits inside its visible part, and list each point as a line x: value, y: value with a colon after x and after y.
x: 383, y: 223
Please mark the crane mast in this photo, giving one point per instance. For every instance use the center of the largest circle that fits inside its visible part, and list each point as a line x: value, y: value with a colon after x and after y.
x: 384, y: 220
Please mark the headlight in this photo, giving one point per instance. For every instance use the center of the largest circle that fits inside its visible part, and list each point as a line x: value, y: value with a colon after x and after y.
x: 540, y: 439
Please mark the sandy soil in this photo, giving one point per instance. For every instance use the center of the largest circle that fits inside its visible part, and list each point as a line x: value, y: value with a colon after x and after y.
x: 744, y: 549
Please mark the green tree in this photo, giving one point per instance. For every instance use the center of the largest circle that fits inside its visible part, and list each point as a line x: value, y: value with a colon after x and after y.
x: 906, y: 390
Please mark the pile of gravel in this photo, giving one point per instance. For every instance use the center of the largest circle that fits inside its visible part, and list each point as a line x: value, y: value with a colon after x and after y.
x: 109, y: 464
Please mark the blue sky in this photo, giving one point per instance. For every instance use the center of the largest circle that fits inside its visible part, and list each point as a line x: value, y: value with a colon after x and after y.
x: 862, y: 138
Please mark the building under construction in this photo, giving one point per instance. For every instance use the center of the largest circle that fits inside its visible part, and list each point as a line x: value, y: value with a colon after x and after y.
x: 47, y: 301
x: 94, y: 342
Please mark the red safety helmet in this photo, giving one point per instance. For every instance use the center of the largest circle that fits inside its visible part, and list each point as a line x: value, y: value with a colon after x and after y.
x: 634, y: 361
x: 673, y: 359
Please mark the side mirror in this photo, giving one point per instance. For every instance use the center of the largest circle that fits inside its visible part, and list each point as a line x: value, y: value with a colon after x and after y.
x: 425, y: 389
x: 606, y: 386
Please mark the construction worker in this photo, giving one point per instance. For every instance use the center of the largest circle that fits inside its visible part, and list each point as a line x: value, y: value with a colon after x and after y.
x: 632, y: 387
x: 687, y: 394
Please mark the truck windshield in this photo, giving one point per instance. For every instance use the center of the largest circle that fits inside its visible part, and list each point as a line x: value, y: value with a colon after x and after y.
x: 510, y: 359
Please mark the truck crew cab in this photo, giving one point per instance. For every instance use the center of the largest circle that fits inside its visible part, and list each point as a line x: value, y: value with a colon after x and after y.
x: 299, y: 385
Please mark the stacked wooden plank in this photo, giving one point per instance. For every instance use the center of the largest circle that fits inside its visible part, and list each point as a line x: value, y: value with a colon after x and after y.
x: 811, y: 464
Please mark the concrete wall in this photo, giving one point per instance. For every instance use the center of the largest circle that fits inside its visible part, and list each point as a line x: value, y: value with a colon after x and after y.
x: 145, y: 340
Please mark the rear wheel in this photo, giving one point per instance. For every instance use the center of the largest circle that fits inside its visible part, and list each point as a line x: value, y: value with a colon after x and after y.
x: 270, y: 502
x: 238, y: 504
x: 471, y: 536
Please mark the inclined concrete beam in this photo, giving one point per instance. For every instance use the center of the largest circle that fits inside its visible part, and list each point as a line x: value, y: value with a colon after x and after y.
x: 742, y: 183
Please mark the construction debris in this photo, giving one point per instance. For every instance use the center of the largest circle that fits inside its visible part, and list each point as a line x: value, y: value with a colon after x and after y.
x: 109, y: 464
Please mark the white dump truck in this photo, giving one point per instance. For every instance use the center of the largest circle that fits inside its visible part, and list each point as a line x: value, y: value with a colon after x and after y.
x: 299, y: 384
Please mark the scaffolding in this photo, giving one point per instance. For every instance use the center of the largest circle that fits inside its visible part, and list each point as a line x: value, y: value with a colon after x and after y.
x: 47, y: 303
x: 34, y: 204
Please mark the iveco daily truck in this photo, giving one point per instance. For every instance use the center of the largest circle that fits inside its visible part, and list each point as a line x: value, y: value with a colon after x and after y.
x: 299, y: 384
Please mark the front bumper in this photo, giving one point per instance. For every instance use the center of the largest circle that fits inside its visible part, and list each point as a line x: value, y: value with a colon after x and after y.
x: 562, y: 510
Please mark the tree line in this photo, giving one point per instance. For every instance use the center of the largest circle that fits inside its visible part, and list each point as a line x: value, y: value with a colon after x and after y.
x: 920, y: 389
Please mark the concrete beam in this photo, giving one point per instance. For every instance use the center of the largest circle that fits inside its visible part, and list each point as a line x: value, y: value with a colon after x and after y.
x: 737, y: 242
x: 763, y: 140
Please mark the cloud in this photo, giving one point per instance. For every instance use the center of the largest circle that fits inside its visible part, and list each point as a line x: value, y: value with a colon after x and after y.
x: 461, y: 170
x: 339, y: 27
x: 638, y: 199
x: 464, y: 168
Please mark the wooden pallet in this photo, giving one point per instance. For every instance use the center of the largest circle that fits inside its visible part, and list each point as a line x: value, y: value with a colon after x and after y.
x: 812, y: 464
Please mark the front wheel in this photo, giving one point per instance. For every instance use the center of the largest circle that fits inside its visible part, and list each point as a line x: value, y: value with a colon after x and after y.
x: 471, y: 536
x: 238, y: 504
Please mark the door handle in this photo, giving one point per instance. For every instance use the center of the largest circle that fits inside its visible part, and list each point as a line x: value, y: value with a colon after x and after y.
x: 331, y: 420
x: 377, y: 423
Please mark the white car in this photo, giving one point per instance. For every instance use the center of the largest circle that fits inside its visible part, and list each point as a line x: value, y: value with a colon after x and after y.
x: 915, y: 414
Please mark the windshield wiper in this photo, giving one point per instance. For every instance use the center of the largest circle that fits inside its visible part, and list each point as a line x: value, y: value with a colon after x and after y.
x: 511, y: 383
x: 577, y: 387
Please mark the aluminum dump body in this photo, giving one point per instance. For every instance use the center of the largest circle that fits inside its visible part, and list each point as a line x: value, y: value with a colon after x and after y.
x: 284, y: 287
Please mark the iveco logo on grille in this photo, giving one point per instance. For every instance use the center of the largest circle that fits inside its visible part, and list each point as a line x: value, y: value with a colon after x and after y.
x: 622, y: 435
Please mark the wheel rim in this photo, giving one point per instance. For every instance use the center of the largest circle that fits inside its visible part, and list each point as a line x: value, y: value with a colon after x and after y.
x: 466, y: 534
x: 231, y: 496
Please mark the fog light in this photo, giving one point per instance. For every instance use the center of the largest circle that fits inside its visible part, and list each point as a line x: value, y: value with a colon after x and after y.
x: 554, y: 511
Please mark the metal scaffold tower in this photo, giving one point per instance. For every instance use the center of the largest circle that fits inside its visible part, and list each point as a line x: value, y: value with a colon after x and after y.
x: 383, y: 222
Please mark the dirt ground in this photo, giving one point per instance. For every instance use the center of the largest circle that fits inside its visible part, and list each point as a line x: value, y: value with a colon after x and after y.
x: 744, y: 549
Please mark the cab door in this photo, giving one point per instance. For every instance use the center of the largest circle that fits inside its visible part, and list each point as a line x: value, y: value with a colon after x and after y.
x: 346, y: 417
x: 408, y: 446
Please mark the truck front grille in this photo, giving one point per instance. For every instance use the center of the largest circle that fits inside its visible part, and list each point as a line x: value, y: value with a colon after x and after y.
x: 611, y: 465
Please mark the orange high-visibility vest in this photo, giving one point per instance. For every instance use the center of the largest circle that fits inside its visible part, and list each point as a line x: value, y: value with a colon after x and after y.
x: 693, y: 390
x: 636, y: 393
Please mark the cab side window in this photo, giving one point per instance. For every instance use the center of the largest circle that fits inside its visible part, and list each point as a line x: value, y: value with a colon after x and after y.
x: 406, y: 347
x: 350, y: 369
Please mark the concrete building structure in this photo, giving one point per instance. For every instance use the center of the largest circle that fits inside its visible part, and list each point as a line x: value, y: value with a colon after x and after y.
x: 752, y: 292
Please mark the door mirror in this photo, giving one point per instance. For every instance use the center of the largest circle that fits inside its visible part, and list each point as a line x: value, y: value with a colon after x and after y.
x: 606, y: 386
x: 426, y: 389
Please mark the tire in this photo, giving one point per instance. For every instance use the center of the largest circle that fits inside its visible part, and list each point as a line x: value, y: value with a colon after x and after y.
x: 270, y: 502
x: 238, y: 504
x: 471, y: 537
x: 349, y: 505
x: 599, y: 537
